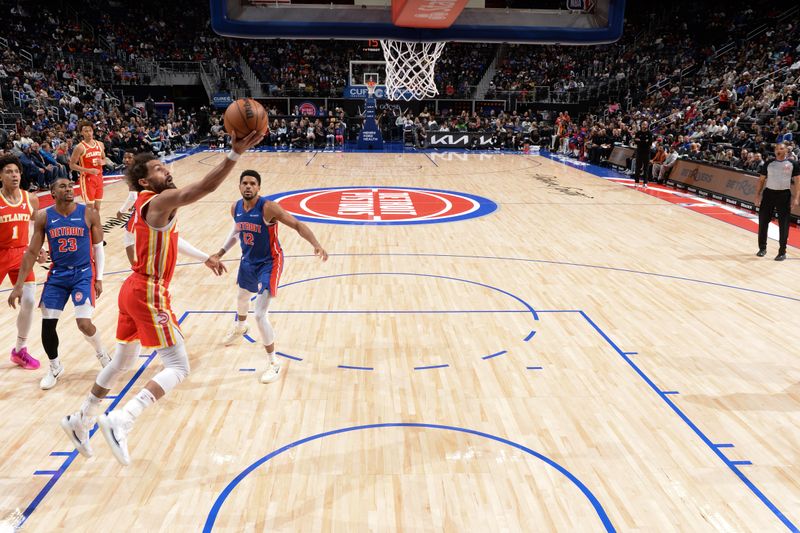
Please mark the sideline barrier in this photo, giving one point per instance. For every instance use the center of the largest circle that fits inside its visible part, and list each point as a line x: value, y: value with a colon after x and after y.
x: 732, y: 186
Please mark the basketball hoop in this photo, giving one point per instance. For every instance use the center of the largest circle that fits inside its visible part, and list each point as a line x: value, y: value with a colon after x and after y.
x: 409, y: 69
x: 371, y: 88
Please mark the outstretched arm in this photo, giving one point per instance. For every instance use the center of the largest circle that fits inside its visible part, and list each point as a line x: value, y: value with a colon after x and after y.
x: 231, y: 239
x: 37, y: 240
x: 169, y: 200
x: 212, y: 262
x: 273, y: 211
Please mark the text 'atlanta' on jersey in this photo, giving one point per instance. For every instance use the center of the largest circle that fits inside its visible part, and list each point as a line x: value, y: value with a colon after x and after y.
x: 72, y: 271
x: 14, y: 221
x: 262, y: 255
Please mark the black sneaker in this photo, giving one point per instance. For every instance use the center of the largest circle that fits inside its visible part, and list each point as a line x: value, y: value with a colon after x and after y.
x: 761, y: 253
x: 780, y: 257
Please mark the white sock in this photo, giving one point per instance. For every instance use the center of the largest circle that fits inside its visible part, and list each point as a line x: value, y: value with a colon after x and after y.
x: 95, y: 341
x: 90, y: 409
x: 138, y: 403
x: 55, y: 364
x: 241, y: 324
x: 273, y: 359
x: 21, y: 343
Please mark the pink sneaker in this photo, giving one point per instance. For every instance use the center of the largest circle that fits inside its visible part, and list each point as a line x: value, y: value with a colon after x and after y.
x: 24, y: 359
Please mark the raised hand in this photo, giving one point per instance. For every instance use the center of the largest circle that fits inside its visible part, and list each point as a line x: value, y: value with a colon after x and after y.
x: 242, y: 145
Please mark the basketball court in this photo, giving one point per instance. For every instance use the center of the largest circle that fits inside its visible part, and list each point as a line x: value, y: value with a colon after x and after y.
x: 553, y: 350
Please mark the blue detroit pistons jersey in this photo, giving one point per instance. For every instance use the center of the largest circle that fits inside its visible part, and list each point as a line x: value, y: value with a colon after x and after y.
x: 69, y: 238
x: 259, y: 240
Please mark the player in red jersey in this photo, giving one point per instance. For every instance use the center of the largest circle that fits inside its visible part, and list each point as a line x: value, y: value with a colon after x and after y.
x: 87, y: 158
x: 17, y: 210
x: 145, y: 314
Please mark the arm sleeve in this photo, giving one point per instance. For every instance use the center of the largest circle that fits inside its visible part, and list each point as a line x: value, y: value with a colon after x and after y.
x: 129, y: 201
x: 185, y: 247
x: 99, y: 260
x: 230, y: 240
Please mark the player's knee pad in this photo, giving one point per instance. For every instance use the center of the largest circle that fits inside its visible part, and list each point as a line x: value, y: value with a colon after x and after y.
x: 262, y: 318
x: 124, y: 357
x: 176, y: 366
x: 50, y: 337
x: 85, y: 310
x: 28, y: 300
x: 242, y: 302
x: 51, y: 314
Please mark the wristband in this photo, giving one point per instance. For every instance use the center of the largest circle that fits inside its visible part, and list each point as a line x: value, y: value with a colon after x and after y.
x: 233, y: 156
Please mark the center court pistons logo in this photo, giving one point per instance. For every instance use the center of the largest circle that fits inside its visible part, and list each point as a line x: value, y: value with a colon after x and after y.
x: 382, y: 206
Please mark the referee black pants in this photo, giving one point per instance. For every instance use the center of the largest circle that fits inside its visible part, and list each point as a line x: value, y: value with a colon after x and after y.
x: 772, y: 200
x: 642, y: 162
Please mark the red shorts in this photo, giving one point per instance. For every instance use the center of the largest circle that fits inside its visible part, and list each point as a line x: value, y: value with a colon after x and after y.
x: 91, y: 187
x: 10, y: 261
x: 145, y: 314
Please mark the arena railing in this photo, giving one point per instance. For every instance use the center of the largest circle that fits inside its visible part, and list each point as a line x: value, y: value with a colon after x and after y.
x: 8, y: 120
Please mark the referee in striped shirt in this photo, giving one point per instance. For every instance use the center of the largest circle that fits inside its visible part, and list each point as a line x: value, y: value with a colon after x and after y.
x: 775, y: 194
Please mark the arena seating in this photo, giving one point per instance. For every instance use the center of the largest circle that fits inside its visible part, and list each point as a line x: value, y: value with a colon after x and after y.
x: 723, y: 96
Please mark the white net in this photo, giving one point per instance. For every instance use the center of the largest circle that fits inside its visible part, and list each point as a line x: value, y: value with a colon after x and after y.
x: 409, y: 69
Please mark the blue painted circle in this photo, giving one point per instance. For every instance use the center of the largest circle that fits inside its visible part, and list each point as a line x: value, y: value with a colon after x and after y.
x: 215, y: 509
x: 485, y: 207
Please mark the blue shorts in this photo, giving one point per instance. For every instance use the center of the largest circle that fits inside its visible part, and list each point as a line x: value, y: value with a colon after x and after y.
x: 260, y: 277
x: 62, y: 283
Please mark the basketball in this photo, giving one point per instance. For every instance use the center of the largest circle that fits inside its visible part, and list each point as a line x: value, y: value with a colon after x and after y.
x: 245, y: 115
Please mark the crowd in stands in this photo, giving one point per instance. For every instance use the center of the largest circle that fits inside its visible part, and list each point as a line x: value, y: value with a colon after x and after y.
x: 728, y: 111
x: 742, y: 104
x: 301, y: 68
x: 322, y: 68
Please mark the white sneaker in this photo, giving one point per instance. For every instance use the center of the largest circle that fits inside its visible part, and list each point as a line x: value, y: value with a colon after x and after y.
x: 235, y: 334
x: 115, y: 426
x: 51, y: 378
x: 272, y: 373
x: 78, y: 432
x: 104, y: 359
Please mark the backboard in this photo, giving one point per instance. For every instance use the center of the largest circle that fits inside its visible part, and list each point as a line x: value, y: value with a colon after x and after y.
x: 513, y: 21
